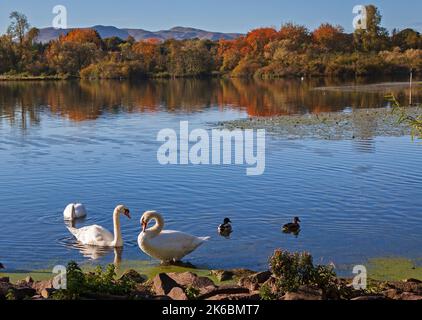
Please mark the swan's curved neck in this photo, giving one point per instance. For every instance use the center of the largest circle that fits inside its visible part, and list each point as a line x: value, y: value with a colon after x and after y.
x: 118, y: 240
x: 158, y: 227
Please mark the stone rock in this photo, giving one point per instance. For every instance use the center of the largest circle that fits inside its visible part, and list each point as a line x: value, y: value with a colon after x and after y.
x: 271, y: 283
x: 29, y: 280
x: 5, y: 279
x: 262, y: 277
x: 391, y: 294
x: 407, y: 296
x: 142, y: 291
x: 304, y: 294
x: 236, y: 297
x: 162, y: 284
x: 222, y: 275
x: 47, y: 293
x: 160, y: 298
x: 22, y: 293
x: 184, y: 279
x: 224, y: 290
x: 189, y: 279
x: 4, y: 289
x: 178, y: 294
x: 133, y: 276
x: 242, y: 273
x: 413, y: 287
x: 39, y: 286
x: 369, y: 298
x: 248, y: 283
x: 253, y: 282
x: 413, y: 281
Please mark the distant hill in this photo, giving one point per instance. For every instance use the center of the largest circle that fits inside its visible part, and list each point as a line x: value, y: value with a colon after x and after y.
x: 178, y: 33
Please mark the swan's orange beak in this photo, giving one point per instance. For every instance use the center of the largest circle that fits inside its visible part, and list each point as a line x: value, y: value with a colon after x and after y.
x: 144, y: 225
x: 127, y: 213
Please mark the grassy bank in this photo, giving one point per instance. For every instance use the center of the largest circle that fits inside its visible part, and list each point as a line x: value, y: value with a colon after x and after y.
x: 395, y: 269
x: 382, y: 269
x: 24, y: 77
x: 143, y: 267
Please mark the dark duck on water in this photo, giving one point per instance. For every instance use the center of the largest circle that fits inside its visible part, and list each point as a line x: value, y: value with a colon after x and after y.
x: 292, y: 227
x: 226, y: 227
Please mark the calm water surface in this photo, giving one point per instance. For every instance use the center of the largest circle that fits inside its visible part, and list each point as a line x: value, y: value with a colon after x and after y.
x: 95, y: 143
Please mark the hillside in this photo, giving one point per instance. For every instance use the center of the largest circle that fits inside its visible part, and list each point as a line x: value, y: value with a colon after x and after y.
x: 178, y: 33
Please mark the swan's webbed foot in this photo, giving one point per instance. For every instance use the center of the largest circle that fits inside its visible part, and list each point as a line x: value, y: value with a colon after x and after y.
x: 178, y: 263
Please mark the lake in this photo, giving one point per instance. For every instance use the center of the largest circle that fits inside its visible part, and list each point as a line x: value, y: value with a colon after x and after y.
x: 95, y: 143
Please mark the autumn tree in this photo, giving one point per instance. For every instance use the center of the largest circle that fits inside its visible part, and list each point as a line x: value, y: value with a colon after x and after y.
x: 407, y: 39
x: 373, y: 37
x: 82, y: 36
x: 329, y: 38
x: 295, y: 37
x: 148, y: 52
x: 230, y: 52
x: 69, y: 58
x: 8, y: 58
x: 189, y: 58
x: 112, y: 44
x: 257, y: 39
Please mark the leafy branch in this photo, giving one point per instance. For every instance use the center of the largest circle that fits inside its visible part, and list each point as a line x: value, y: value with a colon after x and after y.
x: 414, y: 122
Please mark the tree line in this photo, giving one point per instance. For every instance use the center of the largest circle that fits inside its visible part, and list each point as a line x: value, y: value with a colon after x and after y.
x: 292, y: 50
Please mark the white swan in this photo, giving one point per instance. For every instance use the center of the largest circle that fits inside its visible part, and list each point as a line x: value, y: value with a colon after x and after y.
x: 74, y: 211
x: 100, y: 237
x: 166, y: 246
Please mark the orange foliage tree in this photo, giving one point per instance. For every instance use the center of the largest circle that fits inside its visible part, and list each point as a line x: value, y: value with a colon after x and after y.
x: 82, y: 36
x: 328, y: 37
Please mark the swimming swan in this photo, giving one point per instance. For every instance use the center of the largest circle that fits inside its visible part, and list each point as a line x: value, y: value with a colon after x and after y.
x: 166, y: 246
x: 74, y: 211
x: 98, y: 236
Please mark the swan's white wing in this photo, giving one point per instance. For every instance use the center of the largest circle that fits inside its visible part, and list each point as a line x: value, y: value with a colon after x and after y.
x: 93, y: 236
x: 172, y: 245
x: 80, y: 211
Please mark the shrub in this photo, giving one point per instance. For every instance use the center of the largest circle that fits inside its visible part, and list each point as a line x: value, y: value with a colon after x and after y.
x: 293, y: 270
x: 98, y: 282
x: 192, y: 293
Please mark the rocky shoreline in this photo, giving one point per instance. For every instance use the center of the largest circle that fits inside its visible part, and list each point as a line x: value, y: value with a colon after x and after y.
x: 357, y: 124
x: 245, y: 285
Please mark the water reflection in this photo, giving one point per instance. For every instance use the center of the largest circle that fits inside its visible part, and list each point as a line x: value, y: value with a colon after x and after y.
x: 21, y: 103
x: 97, y: 253
x: 92, y: 252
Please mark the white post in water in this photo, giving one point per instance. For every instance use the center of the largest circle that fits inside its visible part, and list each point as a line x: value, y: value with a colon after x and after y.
x: 411, y: 83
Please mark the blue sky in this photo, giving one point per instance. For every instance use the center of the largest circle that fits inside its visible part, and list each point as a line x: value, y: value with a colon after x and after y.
x: 213, y: 15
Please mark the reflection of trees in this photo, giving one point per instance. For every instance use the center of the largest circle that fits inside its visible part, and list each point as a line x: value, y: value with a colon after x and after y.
x: 22, y: 102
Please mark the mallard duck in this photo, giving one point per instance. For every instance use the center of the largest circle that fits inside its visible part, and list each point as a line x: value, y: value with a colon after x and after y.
x: 226, y: 227
x: 292, y: 227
